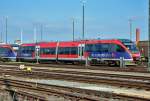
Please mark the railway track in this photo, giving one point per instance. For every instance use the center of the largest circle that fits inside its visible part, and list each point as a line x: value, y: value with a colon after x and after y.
x: 44, y: 90
x: 142, y: 69
x: 120, y: 80
x: 73, y: 94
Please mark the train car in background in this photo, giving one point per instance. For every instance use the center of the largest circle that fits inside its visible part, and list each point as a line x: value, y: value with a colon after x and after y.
x: 26, y: 52
x: 107, y: 51
x: 132, y: 48
x: 7, y: 53
x: 15, y: 47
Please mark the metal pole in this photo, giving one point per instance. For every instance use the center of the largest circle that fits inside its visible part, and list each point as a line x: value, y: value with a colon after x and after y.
x: 73, y: 28
x: 1, y: 36
x: 87, y: 61
x: 1, y: 32
x: 35, y: 35
x: 37, y: 56
x: 122, y: 62
x: 41, y: 32
x: 21, y: 35
x: 83, y: 22
x: 37, y: 53
x: 149, y: 40
x: 130, y: 23
x: 36, y: 47
x: 6, y: 29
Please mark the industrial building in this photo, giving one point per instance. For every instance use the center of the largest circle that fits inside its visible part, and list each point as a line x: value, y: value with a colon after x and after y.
x: 143, y: 47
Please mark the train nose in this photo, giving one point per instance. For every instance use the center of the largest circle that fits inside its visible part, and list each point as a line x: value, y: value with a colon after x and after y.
x: 136, y: 56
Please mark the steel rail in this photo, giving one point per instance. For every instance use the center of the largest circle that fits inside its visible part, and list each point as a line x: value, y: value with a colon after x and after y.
x: 89, y: 95
x: 111, y: 79
x: 98, y: 67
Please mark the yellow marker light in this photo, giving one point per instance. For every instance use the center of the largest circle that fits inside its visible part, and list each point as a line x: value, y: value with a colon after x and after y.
x: 29, y: 69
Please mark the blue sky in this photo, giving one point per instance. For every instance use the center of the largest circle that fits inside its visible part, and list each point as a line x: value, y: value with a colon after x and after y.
x: 103, y: 18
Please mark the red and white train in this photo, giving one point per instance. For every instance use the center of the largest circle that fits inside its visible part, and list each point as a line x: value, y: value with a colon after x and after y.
x: 108, y: 51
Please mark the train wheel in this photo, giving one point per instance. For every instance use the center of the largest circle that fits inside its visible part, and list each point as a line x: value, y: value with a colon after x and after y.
x: 75, y: 63
x: 17, y: 60
x: 117, y: 63
x: 112, y: 63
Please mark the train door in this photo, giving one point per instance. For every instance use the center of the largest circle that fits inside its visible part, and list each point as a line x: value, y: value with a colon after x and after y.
x: 37, y: 53
x: 81, y: 52
x: 57, y: 47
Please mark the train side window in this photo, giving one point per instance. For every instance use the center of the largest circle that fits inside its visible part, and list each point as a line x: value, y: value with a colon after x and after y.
x: 53, y: 51
x: 41, y: 51
x: 60, y: 50
x: 3, y: 50
x: 112, y: 48
x: 119, y: 49
x: 97, y: 47
x: 74, y: 50
x: 64, y: 50
x: 23, y: 50
x: 89, y: 47
x: 104, y: 47
x: 27, y: 49
x: 47, y: 51
x: 67, y: 50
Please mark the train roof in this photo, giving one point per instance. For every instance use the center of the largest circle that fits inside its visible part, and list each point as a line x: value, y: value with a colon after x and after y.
x: 76, y: 43
x: 69, y: 44
x: 47, y: 44
x: 14, y: 45
x: 102, y: 41
x: 28, y: 44
x: 5, y: 45
x: 114, y: 41
x: 125, y: 40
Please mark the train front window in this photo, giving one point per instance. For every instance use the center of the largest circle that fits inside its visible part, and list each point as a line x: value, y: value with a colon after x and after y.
x: 130, y: 45
x: 132, y: 48
x: 119, y: 49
